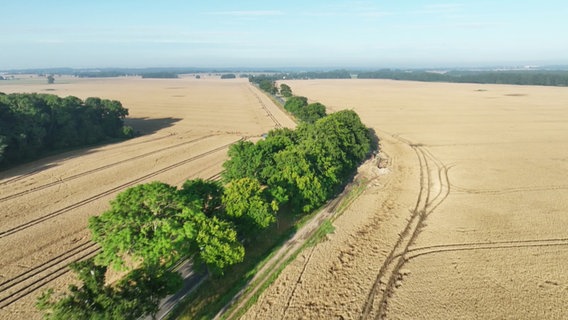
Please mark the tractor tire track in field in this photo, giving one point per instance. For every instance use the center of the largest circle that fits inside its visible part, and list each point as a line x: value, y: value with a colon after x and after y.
x: 25, y: 175
x: 434, y: 188
x: 83, y: 174
x: 35, y: 278
x: 508, y: 190
x: 298, y: 281
x: 81, y: 203
x: 268, y: 112
x: 42, y: 168
x: 472, y: 246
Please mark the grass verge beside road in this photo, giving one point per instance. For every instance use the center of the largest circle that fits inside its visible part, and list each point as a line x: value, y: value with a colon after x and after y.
x: 242, y: 285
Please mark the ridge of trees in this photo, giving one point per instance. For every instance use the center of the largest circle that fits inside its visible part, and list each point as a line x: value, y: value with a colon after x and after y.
x: 304, y: 111
x: 228, y: 76
x: 33, y: 124
x: 334, y: 74
x: 516, y: 77
x: 285, y: 90
x: 151, y: 226
x: 545, y: 76
x: 160, y: 75
x: 532, y: 77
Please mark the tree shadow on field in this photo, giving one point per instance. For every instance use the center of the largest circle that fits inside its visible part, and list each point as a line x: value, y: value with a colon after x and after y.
x: 375, y: 140
x: 20, y: 169
x: 146, y: 125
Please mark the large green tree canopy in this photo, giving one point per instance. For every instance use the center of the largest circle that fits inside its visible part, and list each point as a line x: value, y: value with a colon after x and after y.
x: 150, y: 222
x: 156, y: 223
x: 246, y: 201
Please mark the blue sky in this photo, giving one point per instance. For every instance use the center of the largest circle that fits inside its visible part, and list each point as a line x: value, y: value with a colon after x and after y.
x: 373, y: 34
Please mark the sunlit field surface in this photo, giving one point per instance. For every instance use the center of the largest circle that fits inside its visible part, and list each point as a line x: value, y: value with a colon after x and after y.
x: 469, y: 222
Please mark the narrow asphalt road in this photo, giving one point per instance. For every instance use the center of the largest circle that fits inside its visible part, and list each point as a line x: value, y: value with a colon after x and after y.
x: 191, y: 280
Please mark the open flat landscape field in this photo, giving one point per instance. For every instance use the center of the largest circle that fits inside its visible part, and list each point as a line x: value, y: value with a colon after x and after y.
x: 187, y: 125
x: 469, y: 223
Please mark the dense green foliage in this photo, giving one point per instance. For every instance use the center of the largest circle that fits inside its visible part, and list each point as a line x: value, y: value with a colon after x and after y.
x: 285, y: 90
x: 268, y: 86
x: 156, y: 223
x: 228, y: 76
x: 206, y: 193
x: 32, y: 124
x: 137, y: 294
x: 246, y: 201
x: 295, y: 103
x: 218, y: 244
x: 533, y: 77
x: 302, y: 168
x: 299, y: 107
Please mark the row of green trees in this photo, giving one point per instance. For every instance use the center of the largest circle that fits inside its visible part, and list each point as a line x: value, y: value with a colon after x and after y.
x: 151, y: 226
x: 33, y: 124
x: 301, y: 168
x: 304, y: 111
x: 266, y: 81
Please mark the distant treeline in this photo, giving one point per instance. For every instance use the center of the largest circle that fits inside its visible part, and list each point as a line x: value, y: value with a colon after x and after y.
x: 160, y: 75
x: 32, y: 124
x: 533, y: 77
x: 551, y: 76
x: 267, y: 82
x: 335, y: 74
x: 517, y: 77
x: 101, y: 74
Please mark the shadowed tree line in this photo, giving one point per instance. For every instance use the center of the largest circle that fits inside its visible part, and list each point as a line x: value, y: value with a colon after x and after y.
x: 32, y: 124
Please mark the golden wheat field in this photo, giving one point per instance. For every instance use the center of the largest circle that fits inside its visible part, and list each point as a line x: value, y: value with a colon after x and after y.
x: 468, y: 221
x: 187, y: 125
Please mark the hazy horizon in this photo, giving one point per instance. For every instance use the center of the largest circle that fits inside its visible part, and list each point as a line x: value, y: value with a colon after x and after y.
x: 291, y: 34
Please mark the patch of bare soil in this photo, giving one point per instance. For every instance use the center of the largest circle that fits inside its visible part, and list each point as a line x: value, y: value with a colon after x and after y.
x: 45, y: 205
x: 468, y: 224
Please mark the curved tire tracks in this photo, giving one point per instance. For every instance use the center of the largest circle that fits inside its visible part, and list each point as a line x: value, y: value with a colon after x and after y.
x: 428, y: 200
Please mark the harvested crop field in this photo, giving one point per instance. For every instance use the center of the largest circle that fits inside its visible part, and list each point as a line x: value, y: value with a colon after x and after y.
x: 468, y: 223
x: 187, y: 126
